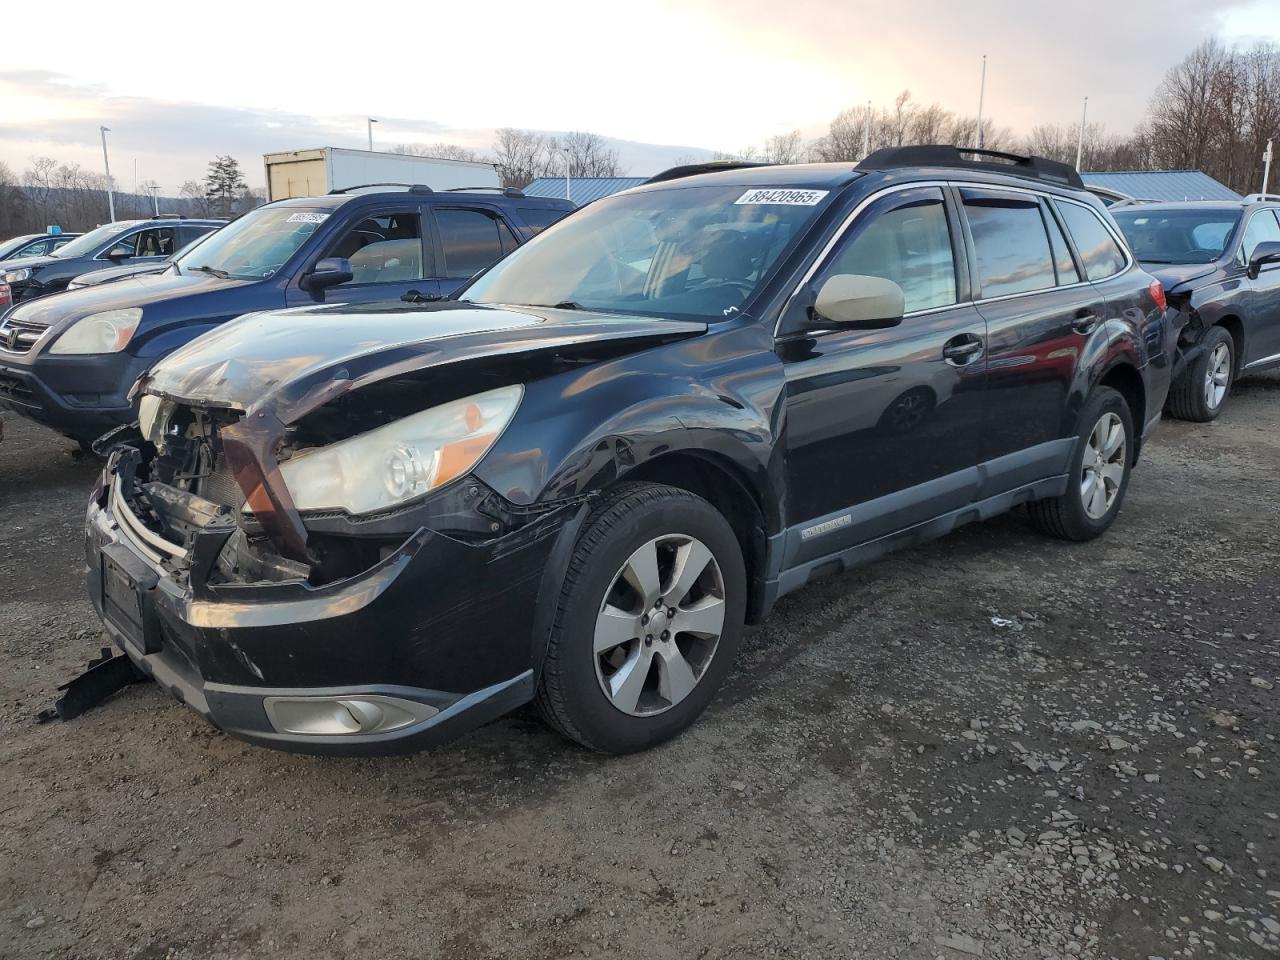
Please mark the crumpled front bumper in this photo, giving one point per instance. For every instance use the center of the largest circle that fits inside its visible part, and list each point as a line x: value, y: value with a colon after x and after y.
x: 446, y: 632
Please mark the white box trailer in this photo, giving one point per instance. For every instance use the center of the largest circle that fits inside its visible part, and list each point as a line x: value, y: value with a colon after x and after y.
x: 312, y: 173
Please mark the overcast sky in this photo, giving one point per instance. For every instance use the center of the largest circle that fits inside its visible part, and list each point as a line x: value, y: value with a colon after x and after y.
x: 179, y: 83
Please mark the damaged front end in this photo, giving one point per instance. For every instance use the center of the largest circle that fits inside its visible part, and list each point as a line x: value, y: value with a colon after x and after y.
x: 316, y: 630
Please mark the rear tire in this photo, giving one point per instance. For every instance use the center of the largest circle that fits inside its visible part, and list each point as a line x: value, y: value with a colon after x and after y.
x: 1201, y: 392
x: 1101, y: 463
x: 615, y: 678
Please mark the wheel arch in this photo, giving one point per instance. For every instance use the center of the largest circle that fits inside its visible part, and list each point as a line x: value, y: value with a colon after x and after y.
x: 1234, y: 325
x: 725, y: 486
x: 1125, y: 379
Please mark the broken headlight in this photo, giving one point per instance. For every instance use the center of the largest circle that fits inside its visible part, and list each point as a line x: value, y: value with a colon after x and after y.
x: 401, y: 461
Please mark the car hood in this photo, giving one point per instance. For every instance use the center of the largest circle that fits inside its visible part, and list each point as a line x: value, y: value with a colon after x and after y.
x: 136, y: 291
x: 1173, y: 275
x: 291, y: 361
x: 20, y: 263
x: 116, y: 273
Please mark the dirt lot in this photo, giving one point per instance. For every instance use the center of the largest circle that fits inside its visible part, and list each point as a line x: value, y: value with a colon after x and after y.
x: 993, y: 746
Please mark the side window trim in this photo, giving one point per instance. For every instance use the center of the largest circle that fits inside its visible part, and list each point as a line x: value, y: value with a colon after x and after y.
x: 1051, y: 214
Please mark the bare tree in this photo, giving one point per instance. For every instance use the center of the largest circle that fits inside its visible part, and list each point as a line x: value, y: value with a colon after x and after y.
x: 784, y: 148
x: 521, y: 156
x: 193, y: 195
x: 438, y: 151
x: 588, y: 155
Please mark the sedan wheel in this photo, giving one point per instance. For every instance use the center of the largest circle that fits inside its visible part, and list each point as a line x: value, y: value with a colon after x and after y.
x: 1103, y: 469
x: 659, y: 625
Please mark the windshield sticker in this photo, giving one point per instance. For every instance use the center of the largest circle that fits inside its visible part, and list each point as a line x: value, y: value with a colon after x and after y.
x: 308, y: 218
x: 790, y: 198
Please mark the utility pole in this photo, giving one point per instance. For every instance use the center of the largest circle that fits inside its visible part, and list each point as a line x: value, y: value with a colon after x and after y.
x: 1266, y: 168
x: 982, y: 92
x: 568, y: 195
x: 371, y: 123
x: 154, y: 190
x: 111, y: 200
x: 866, y: 133
x: 1080, y: 140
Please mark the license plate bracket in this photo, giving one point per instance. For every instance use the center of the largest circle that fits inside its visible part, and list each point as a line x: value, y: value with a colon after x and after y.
x: 126, y: 581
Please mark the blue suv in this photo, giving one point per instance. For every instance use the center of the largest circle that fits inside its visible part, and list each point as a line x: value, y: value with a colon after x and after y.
x: 68, y: 361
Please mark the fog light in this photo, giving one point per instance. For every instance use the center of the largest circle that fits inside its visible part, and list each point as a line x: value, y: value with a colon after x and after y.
x: 344, y: 716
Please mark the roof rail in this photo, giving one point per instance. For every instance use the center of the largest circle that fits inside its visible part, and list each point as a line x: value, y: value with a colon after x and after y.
x: 411, y: 187
x: 949, y: 155
x: 169, y: 216
x: 505, y: 191
x: 710, y: 166
x: 1262, y: 198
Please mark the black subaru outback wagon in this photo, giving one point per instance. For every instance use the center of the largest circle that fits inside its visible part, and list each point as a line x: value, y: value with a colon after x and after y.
x: 365, y: 529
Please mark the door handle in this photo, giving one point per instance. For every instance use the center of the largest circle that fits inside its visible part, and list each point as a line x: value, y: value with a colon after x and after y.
x: 1084, y: 322
x: 962, y: 349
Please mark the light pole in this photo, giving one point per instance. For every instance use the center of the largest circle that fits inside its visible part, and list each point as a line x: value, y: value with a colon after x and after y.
x: 866, y: 133
x: 111, y: 200
x: 982, y: 92
x: 568, y: 194
x: 371, y: 123
x: 1084, y: 116
x: 1266, y: 167
x: 154, y: 190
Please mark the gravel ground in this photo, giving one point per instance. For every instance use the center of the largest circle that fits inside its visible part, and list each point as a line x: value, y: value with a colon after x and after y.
x: 994, y: 745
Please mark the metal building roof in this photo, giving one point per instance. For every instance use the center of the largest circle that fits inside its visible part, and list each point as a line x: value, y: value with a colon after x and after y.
x: 582, y: 190
x: 1162, y: 184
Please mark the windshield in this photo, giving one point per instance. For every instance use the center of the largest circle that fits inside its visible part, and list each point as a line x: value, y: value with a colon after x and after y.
x: 1177, y: 236
x: 697, y: 252
x: 90, y: 242
x: 256, y: 246
x: 8, y: 246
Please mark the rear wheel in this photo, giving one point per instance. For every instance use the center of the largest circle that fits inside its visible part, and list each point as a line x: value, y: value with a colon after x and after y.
x: 1201, y: 392
x: 648, y: 621
x: 1101, y: 463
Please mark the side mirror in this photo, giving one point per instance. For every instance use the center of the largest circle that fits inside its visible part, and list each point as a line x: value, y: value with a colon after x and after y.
x: 1268, y: 251
x: 853, y: 300
x: 328, y: 272
x: 120, y: 252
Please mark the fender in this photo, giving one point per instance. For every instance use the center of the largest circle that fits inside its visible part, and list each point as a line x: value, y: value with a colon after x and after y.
x: 713, y: 396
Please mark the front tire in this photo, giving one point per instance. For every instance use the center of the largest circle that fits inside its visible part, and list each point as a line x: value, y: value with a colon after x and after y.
x: 648, y: 621
x: 1201, y: 392
x: 1102, y: 460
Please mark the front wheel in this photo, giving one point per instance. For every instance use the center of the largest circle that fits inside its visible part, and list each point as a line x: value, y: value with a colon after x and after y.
x: 1201, y: 392
x: 1101, y: 462
x: 648, y: 621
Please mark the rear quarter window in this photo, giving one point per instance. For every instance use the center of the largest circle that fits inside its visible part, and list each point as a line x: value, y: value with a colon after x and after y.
x: 1098, y: 249
x: 538, y: 219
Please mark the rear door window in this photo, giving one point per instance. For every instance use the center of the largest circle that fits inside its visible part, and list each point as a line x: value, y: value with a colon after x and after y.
x: 1063, y: 262
x: 471, y: 240
x: 1098, y: 249
x: 1009, y: 242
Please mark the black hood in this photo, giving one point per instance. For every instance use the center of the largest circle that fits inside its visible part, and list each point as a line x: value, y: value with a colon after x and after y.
x: 276, y: 358
x: 23, y: 263
x: 1174, y: 275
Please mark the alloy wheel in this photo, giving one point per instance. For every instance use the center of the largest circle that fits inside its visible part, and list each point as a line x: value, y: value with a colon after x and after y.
x: 1217, y: 376
x: 1105, y: 457
x: 659, y: 625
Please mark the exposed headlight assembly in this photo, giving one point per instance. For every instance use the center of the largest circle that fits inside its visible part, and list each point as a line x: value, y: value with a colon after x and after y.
x: 401, y: 461
x: 106, y: 332
x: 17, y: 276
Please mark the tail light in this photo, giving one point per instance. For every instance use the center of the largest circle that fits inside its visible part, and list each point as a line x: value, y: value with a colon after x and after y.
x: 6, y: 295
x: 1157, y: 294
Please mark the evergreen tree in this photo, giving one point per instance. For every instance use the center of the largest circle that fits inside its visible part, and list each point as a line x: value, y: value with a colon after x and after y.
x: 224, y: 184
